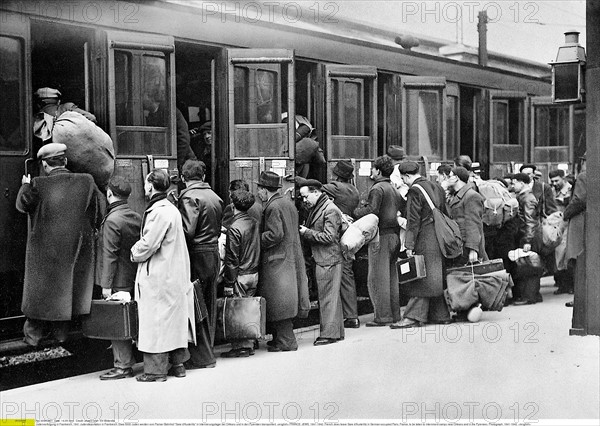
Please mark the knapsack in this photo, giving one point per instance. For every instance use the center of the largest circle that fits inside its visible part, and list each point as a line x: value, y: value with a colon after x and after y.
x: 446, y: 230
x: 499, y: 206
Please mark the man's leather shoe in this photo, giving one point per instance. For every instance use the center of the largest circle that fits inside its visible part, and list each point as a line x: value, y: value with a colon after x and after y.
x: 406, y: 323
x: 117, y: 373
x: 151, y: 378
x: 320, y: 341
x: 523, y: 302
x: 276, y: 348
x: 569, y: 304
x: 351, y: 323
x: 442, y: 322
x: 177, y: 371
x: 238, y: 353
x: 189, y: 365
x: 376, y: 324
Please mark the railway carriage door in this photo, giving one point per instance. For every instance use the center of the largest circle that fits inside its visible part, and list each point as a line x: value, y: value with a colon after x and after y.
x: 424, y: 113
x: 141, y: 107
x: 15, y: 151
x: 351, y: 119
x: 553, y: 135
x: 507, y: 130
x: 254, y: 88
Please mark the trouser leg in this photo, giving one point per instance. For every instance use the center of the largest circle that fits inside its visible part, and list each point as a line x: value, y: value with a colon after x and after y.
x: 330, y: 306
x: 123, y: 353
x: 201, y: 353
x: 348, y: 291
x: 438, y: 309
x: 379, y: 278
x: 283, y: 334
x: 205, y: 267
x: 33, y: 331
x: 417, y: 309
x: 156, y: 363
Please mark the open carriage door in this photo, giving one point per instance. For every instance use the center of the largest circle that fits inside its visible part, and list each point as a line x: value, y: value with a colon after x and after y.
x: 553, y: 132
x: 255, y: 87
x: 424, y: 119
x: 15, y: 160
x: 508, y: 134
x: 141, y: 107
x: 351, y: 119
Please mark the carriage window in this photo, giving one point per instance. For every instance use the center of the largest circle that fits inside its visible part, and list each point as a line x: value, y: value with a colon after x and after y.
x: 452, y: 121
x: 507, y: 115
x: 142, y: 103
x: 551, y: 126
x: 11, y: 108
x: 424, y: 122
x: 350, y: 132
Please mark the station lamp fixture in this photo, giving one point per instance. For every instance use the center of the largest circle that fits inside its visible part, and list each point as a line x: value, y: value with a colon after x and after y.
x: 568, y: 70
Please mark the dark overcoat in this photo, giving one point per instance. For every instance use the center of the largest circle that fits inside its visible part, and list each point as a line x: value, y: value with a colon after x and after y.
x: 65, y: 210
x: 421, y: 238
x: 282, y: 275
x: 119, y: 231
x: 575, y: 214
x: 466, y: 208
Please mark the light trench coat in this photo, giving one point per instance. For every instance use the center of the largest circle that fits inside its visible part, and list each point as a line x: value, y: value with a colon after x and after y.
x: 163, y: 289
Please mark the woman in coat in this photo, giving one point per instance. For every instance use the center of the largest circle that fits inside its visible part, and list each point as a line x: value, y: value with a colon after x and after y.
x: 162, y: 287
x: 426, y: 302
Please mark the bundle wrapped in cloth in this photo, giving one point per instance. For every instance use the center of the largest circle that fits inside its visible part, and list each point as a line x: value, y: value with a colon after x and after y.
x: 89, y: 148
x: 466, y: 289
x: 362, y: 231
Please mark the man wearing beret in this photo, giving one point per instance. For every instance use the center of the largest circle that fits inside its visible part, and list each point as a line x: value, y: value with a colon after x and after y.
x: 282, y: 275
x: 382, y: 278
x: 120, y: 230
x: 346, y: 197
x: 322, y: 232
x: 427, y: 303
x: 65, y: 211
x: 466, y: 208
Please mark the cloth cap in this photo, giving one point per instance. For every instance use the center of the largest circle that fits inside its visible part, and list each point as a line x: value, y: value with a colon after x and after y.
x: 47, y: 92
x: 329, y: 189
x: 52, y: 150
x: 206, y: 126
x: 119, y: 186
x: 396, y: 152
x: 408, y: 167
x: 312, y: 182
x: 269, y: 180
x: 344, y: 169
x: 461, y: 173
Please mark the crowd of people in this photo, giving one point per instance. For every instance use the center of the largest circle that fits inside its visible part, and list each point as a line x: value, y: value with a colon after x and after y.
x: 168, y: 259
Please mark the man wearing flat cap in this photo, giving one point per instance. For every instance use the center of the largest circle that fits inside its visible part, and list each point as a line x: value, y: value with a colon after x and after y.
x: 346, y: 197
x: 282, y: 277
x: 65, y: 211
x: 427, y: 303
x: 49, y: 105
x: 382, y: 278
x: 323, y: 232
x: 119, y: 231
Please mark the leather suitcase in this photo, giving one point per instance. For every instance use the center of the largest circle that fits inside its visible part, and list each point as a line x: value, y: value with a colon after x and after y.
x: 241, y: 318
x: 480, y: 268
x: 111, y: 320
x: 411, y: 268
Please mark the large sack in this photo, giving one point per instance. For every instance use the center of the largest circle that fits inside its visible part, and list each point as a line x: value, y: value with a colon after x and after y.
x: 359, y: 233
x: 89, y: 148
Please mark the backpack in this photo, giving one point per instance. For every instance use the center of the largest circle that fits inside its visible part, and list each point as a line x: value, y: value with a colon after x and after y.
x: 446, y: 230
x: 499, y: 206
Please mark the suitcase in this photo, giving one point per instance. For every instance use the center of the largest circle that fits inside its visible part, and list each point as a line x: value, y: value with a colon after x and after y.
x: 480, y: 268
x: 111, y: 320
x: 411, y: 268
x: 241, y: 318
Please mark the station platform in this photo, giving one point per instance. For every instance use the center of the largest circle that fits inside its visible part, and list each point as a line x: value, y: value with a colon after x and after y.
x: 515, y: 366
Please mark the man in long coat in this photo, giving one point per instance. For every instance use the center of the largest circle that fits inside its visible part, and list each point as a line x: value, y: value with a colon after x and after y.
x: 466, y: 208
x: 162, y: 286
x: 427, y: 303
x: 322, y: 232
x: 282, y: 275
x: 346, y: 197
x: 64, y: 209
x: 201, y: 211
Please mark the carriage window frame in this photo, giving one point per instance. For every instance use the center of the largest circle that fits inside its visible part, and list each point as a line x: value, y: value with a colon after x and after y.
x: 22, y: 148
x: 517, y: 115
x: 419, y: 85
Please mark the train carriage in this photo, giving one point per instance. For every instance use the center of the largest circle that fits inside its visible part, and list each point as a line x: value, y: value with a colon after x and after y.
x: 360, y: 90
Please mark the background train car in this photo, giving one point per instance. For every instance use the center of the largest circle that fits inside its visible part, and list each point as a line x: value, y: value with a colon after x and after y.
x: 360, y: 90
